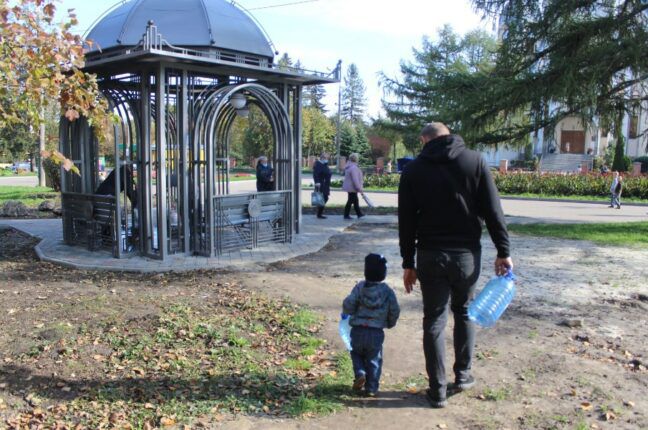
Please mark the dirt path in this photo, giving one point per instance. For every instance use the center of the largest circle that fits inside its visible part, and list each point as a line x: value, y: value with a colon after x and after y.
x: 533, y: 372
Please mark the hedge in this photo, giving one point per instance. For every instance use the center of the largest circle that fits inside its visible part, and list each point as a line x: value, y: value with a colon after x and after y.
x: 552, y: 184
x: 568, y: 185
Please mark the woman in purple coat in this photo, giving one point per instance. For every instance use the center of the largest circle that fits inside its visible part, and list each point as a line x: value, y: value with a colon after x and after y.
x: 353, y: 180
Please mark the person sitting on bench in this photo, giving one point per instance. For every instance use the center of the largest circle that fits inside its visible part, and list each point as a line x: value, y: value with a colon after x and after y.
x: 107, y: 187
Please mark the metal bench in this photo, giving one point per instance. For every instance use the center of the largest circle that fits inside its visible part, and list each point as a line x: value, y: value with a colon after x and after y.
x: 247, y: 220
x: 89, y: 220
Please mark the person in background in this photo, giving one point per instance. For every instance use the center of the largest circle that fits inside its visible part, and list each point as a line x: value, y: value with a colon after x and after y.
x: 353, y: 180
x: 617, y: 193
x: 126, y: 183
x: 264, y: 175
x: 613, y: 185
x: 322, y: 180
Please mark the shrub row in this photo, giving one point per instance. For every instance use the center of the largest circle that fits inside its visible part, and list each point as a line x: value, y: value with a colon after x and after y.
x: 535, y: 183
x: 568, y: 185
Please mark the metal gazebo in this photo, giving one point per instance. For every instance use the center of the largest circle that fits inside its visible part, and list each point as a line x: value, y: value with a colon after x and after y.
x: 177, y: 73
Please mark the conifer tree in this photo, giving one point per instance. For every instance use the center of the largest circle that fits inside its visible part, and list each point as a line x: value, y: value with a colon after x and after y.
x: 354, y: 100
x: 556, y: 58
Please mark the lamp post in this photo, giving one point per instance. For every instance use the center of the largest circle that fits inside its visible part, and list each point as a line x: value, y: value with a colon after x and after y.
x: 339, y: 113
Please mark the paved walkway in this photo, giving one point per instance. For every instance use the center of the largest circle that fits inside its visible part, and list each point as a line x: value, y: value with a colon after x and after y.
x: 316, y: 234
x: 529, y: 210
x: 25, y: 181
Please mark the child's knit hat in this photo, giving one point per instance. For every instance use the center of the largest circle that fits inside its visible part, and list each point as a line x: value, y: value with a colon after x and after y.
x: 375, y: 268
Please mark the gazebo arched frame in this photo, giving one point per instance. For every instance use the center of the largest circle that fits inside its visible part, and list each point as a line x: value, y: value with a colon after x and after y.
x: 175, y: 118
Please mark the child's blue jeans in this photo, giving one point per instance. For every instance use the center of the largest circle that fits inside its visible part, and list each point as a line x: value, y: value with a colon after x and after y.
x: 366, y: 355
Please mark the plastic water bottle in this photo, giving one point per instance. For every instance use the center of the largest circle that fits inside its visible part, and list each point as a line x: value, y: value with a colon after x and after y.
x: 345, y: 330
x: 493, y: 300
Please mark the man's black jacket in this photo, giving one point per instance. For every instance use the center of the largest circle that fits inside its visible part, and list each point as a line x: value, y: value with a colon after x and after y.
x: 444, y: 196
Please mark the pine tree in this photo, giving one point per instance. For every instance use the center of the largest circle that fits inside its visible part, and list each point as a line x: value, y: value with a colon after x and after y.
x: 362, y: 146
x: 556, y: 58
x: 354, y: 100
x: 314, y: 97
x: 285, y: 62
x: 429, y: 88
x: 348, y: 139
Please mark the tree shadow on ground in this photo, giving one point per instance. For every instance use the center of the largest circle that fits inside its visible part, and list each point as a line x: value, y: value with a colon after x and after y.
x: 233, y: 392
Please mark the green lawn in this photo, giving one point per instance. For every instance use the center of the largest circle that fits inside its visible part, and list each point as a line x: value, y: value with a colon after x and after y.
x: 30, y: 196
x: 8, y: 172
x: 234, y: 178
x: 630, y: 233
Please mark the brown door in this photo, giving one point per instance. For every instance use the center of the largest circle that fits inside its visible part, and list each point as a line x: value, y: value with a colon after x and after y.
x: 572, y: 142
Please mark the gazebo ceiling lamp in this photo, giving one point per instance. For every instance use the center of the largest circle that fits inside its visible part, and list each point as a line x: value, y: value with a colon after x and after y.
x: 238, y: 101
x: 243, y: 113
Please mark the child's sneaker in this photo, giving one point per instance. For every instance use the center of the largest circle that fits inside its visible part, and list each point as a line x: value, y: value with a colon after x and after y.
x: 359, y: 383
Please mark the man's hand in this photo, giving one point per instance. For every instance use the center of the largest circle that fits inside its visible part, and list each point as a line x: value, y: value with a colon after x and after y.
x: 409, y: 279
x: 503, y: 265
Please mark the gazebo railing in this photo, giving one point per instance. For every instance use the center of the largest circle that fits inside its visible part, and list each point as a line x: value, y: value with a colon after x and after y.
x: 250, y: 220
x: 89, y: 220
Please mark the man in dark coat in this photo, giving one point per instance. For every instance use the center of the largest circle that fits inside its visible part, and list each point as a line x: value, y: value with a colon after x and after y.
x: 264, y: 175
x: 322, y: 179
x: 107, y: 187
x: 444, y: 196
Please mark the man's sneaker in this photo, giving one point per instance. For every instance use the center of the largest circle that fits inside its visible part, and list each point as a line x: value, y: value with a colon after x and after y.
x: 347, y: 217
x: 466, y: 384
x: 361, y: 216
x: 370, y: 394
x: 359, y: 383
x: 435, y: 401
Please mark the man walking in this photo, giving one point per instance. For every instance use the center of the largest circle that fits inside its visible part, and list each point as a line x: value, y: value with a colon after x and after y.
x: 444, y: 195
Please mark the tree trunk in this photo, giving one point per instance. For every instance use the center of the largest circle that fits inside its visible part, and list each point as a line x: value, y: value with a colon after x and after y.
x: 619, y: 149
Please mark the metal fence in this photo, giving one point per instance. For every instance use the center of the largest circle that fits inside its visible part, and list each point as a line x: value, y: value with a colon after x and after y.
x: 247, y: 221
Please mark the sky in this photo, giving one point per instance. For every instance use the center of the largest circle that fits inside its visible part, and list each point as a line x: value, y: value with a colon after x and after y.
x: 374, y: 34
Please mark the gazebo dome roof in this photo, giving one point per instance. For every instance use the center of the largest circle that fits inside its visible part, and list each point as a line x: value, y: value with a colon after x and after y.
x: 183, y: 23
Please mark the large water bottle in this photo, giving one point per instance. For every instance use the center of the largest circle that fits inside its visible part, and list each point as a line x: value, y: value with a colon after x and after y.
x: 493, y: 300
x: 345, y: 330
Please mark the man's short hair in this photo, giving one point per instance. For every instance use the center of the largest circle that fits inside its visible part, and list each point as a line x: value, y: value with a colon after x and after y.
x: 354, y: 157
x: 433, y: 130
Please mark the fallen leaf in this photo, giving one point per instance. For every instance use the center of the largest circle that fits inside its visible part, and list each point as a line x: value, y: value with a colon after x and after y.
x: 586, y: 406
x: 167, y: 422
x: 442, y: 426
x: 609, y: 416
x: 628, y: 403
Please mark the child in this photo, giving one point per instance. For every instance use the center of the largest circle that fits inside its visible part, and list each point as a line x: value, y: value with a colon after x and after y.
x: 616, y: 199
x: 372, y: 306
